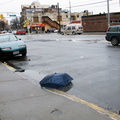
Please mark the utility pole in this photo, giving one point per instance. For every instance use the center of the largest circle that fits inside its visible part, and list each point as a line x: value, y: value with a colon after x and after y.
x: 70, y: 9
x: 108, y: 13
x: 59, y: 17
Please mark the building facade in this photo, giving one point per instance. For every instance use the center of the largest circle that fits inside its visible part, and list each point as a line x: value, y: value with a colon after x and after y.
x: 99, y: 23
x: 43, y: 17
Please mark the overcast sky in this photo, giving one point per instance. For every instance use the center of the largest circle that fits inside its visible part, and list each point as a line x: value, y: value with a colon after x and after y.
x: 95, y: 6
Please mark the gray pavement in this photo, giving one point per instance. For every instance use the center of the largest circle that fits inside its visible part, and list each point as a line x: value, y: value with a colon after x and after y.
x: 21, y: 98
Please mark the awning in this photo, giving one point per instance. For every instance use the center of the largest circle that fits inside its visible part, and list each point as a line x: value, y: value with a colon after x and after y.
x: 34, y: 25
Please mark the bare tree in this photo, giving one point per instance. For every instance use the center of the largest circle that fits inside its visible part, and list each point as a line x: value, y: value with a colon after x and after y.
x: 2, y: 25
x: 15, y: 23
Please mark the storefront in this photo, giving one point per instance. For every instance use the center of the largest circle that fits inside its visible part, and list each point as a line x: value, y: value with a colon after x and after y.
x: 36, y: 28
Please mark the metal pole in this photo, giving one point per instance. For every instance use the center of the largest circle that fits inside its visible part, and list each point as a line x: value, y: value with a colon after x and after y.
x: 108, y: 13
x: 59, y: 17
x: 70, y: 9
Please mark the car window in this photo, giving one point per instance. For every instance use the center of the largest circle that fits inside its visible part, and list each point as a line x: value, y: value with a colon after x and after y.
x: 69, y: 28
x: 6, y: 38
x: 23, y: 30
x: 64, y: 28
x: 79, y: 27
x: 13, y: 38
x: 73, y: 27
x: 113, y: 29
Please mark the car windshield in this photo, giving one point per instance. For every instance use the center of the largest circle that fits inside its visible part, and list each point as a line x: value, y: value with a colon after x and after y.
x: 6, y: 38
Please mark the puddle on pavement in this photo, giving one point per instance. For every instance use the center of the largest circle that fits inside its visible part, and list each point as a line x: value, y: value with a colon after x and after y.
x: 35, y: 75
x: 66, y: 88
x: 38, y: 76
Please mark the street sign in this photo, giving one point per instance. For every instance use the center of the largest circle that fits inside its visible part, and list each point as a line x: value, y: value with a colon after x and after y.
x: 12, y: 15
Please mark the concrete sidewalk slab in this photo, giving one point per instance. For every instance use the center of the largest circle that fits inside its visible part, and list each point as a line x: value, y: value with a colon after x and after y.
x: 20, y: 99
x: 7, y: 75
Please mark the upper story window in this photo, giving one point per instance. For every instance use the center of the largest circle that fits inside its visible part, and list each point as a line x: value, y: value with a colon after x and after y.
x: 36, y: 19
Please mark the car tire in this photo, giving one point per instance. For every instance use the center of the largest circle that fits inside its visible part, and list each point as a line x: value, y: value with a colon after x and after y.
x: 62, y: 33
x: 114, y: 41
x: 73, y: 33
x: 24, y: 54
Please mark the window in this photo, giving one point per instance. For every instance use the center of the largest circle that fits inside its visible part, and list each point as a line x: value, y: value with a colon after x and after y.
x: 36, y: 19
x: 73, y: 27
x: 73, y: 18
x: 113, y: 29
x: 69, y: 28
x: 64, y: 28
x: 79, y: 27
x: 59, y: 18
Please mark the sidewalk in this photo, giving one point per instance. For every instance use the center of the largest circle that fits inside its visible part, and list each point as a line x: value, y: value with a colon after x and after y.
x: 21, y: 98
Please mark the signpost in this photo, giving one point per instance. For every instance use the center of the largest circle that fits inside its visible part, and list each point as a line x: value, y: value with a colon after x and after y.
x: 12, y: 15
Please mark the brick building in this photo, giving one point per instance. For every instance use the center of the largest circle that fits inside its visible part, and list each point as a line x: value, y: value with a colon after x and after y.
x: 99, y: 23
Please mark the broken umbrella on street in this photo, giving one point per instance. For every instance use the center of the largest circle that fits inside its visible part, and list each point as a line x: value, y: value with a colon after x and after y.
x: 56, y: 80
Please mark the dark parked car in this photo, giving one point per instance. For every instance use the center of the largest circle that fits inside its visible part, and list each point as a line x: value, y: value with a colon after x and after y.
x: 113, y: 35
x: 21, y: 32
x: 10, y: 45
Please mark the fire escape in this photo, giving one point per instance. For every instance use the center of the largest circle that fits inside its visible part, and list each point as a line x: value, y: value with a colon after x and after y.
x: 47, y: 20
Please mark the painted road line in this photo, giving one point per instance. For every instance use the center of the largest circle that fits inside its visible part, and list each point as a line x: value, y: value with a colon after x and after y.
x: 9, y: 67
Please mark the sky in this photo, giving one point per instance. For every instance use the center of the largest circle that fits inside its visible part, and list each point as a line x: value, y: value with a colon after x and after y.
x: 94, y: 6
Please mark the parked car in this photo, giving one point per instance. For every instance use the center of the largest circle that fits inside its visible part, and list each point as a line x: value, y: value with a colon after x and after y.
x: 72, y: 29
x: 113, y: 35
x: 56, y: 31
x: 10, y: 45
x: 4, y: 31
x: 14, y: 32
x: 21, y: 32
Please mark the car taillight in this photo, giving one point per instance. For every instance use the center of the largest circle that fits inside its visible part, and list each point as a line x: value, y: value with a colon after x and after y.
x: 107, y: 30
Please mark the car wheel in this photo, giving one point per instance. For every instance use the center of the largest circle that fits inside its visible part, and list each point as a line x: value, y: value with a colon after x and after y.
x: 73, y: 33
x: 114, y: 41
x: 24, y: 54
x: 62, y: 33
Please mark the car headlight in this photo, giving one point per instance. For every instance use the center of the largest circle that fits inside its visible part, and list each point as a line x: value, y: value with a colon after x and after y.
x: 4, y: 49
x: 22, y: 46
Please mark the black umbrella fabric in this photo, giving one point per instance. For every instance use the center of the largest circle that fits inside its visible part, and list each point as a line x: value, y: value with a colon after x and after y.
x: 56, y: 80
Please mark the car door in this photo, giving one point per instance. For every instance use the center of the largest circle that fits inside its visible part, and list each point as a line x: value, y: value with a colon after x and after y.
x: 68, y: 30
x: 119, y: 33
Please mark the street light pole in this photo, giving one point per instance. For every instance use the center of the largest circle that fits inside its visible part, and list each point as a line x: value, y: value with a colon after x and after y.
x: 70, y: 9
x: 59, y: 17
x: 108, y: 13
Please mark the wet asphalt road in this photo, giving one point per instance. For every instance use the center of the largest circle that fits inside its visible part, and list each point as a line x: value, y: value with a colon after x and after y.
x: 89, y: 59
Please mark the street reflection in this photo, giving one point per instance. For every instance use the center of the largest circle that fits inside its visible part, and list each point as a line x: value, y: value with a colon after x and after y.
x: 66, y: 88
